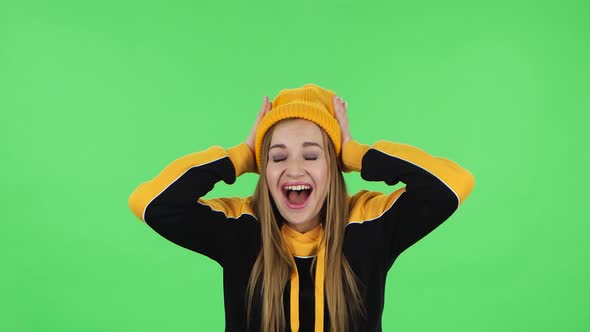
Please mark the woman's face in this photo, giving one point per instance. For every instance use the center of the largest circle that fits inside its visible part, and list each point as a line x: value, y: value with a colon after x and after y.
x: 297, y: 172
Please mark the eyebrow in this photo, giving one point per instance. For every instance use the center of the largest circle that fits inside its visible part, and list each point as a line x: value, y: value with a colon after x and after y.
x: 305, y: 144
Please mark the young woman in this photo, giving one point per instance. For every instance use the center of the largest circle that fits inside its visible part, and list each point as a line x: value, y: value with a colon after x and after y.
x: 301, y: 254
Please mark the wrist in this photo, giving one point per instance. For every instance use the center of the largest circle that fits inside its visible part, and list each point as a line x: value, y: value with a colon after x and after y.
x: 345, y: 140
x: 352, y: 155
x: 250, y: 146
x: 242, y: 157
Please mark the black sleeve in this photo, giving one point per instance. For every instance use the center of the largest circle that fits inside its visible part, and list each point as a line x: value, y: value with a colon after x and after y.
x: 435, y: 188
x: 172, y: 203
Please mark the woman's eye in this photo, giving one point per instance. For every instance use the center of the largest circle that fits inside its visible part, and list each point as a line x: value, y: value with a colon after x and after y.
x: 311, y: 157
x: 277, y: 159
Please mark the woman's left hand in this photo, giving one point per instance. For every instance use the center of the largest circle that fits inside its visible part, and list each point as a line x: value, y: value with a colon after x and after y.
x: 342, y: 117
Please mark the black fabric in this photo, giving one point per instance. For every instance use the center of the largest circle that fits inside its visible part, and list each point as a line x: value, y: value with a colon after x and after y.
x: 370, y: 247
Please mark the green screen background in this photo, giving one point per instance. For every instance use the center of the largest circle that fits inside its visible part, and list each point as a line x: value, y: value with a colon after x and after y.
x: 97, y: 97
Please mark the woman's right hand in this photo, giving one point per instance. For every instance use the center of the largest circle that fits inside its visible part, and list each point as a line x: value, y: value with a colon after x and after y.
x: 266, y: 106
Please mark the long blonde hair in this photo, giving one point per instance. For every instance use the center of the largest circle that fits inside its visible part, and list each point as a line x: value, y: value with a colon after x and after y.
x: 273, y: 266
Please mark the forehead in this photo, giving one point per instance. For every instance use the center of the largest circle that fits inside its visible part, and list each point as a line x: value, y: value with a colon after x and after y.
x: 295, y: 131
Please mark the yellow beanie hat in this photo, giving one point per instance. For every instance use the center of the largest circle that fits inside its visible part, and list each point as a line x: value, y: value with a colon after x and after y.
x: 309, y: 102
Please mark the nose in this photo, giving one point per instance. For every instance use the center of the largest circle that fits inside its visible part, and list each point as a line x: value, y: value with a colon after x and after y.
x: 294, y: 168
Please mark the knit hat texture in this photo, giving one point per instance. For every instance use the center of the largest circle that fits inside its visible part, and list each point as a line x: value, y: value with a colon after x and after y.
x: 309, y: 102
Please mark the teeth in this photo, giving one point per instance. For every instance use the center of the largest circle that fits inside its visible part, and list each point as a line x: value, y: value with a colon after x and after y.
x: 298, y: 188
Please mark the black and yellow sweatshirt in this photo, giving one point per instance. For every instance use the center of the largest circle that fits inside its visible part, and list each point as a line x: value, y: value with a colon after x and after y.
x: 379, y: 229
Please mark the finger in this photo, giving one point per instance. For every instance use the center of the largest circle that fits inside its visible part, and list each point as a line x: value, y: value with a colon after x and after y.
x: 337, y: 102
x: 263, y: 108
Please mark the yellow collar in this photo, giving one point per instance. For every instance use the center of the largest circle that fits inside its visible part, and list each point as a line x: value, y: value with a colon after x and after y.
x: 306, y: 244
x: 302, y: 244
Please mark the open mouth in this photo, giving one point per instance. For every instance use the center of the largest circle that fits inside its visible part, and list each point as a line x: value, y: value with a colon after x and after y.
x: 297, y: 195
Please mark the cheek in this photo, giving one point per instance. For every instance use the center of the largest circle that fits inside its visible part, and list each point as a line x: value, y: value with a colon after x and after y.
x: 272, y: 176
x: 321, y: 175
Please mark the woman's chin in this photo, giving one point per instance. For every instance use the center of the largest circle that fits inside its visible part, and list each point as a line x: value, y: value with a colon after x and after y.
x: 297, y: 219
x: 299, y: 215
